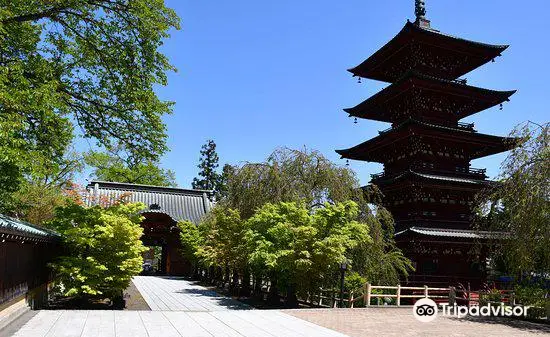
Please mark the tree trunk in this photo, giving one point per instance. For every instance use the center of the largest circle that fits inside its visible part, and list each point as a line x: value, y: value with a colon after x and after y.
x: 273, y: 295
x: 258, y: 287
x: 245, y: 289
x: 291, y: 298
x: 234, y: 285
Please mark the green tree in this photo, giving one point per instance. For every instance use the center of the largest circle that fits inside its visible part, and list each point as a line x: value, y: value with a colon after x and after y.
x: 103, y: 249
x: 121, y: 167
x: 44, y: 188
x: 191, y: 241
x: 291, y: 175
x: 293, y: 219
x: 87, y: 64
x: 300, y: 250
x: 209, y: 178
x: 224, y: 242
x: 520, y: 203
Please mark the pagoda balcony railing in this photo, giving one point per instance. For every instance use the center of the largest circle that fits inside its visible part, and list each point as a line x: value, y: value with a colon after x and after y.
x: 477, y: 172
x: 466, y: 126
x: 459, y: 125
x: 385, y: 131
x: 377, y: 175
x: 462, y: 81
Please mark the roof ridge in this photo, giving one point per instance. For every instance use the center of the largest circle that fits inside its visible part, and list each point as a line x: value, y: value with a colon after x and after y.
x: 143, y: 186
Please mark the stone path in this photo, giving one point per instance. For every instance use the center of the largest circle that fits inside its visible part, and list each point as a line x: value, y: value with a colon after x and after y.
x: 401, y: 322
x: 178, y: 308
x: 182, y: 308
x: 171, y: 293
x: 103, y: 323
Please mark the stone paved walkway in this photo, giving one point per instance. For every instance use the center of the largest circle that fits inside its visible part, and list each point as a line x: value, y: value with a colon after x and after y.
x: 170, y: 293
x: 178, y: 308
x: 181, y: 308
x: 401, y: 322
x: 103, y: 323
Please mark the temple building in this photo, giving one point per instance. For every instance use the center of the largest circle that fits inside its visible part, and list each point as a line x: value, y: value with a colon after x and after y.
x: 165, y: 207
x: 428, y: 183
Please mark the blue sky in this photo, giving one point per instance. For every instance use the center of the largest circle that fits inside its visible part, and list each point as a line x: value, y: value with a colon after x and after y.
x: 256, y: 75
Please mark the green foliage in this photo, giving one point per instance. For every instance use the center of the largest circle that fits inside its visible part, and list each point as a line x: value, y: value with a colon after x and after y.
x: 103, y: 248
x: 520, y: 204
x: 120, y: 167
x: 224, y: 239
x: 299, y: 248
x: 292, y: 220
x: 353, y: 281
x: 86, y: 64
x: 43, y: 189
x: 536, y: 297
x: 291, y: 175
x: 191, y: 240
x: 95, y: 60
x: 209, y: 178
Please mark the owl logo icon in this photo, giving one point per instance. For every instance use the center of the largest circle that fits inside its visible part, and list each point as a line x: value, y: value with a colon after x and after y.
x: 425, y: 310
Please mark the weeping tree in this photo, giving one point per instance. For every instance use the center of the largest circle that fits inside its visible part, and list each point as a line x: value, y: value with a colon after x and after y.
x: 290, y: 175
x: 520, y: 204
x: 292, y: 219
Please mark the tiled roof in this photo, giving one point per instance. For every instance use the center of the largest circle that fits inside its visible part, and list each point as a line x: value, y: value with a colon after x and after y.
x: 455, y: 233
x: 439, y: 177
x: 466, y: 99
x: 449, y: 178
x: 15, y: 229
x: 485, y: 144
x: 178, y: 203
x: 468, y: 54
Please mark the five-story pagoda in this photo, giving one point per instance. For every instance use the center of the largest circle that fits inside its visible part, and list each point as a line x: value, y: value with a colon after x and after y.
x: 428, y: 184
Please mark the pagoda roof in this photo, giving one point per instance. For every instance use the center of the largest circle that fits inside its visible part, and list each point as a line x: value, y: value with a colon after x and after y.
x: 434, y: 177
x: 375, y: 149
x: 453, y: 233
x: 462, y: 100
x: 428, y: 51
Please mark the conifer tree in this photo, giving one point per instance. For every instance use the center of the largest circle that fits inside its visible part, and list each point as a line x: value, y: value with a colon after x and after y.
x: 209, y: 178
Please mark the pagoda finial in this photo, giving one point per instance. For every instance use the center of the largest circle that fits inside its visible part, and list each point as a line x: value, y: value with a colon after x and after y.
x: 420, y: 9
x: 420, y: 12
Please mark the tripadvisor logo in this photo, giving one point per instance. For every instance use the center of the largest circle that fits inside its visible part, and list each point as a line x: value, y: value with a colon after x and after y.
x: 426, y: 310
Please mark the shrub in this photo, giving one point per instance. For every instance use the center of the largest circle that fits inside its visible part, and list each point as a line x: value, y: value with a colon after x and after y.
x: 102, y: 249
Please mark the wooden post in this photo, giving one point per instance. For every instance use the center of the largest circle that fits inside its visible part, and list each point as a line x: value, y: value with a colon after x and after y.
x: 350, y: 303
x: 334, y: 298
x: 367, y: 294
x: 398, y: 294
x: 426, y: 291
x: 320, y: 298
x: 452, y: 295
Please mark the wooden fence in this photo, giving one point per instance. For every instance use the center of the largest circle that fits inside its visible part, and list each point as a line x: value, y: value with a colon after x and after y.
x: 330, y: 298
x: 398, y: 292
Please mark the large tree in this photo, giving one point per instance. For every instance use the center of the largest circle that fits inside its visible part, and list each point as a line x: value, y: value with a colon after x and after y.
x: 292, y: 219
x: 520, y: 203
x: 291, y: 175
x: 123, y: 168
x: 44, y: 188
x: 89, y: 64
